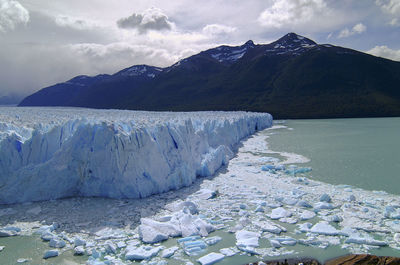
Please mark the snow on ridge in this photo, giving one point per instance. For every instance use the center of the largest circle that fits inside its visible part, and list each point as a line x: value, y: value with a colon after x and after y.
x: 50, y: 153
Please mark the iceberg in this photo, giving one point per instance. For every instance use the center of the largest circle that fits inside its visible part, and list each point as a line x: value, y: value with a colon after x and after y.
x: 55, y: 153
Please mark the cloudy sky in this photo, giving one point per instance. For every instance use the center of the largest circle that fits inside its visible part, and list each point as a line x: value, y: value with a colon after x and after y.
x: 43, y: 42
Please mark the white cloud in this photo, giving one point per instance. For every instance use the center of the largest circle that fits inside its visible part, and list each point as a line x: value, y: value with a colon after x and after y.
x: 75, y: 23
x: 389, y: 6
x: 392, y: 9
x: 357, y: 29
x: 291, y: 12
x: 151, y: 19
x: 118, y: 54
x: 12, y: 13
x: 394, y: 22
x: 217, y: 29
x: 386, y: 52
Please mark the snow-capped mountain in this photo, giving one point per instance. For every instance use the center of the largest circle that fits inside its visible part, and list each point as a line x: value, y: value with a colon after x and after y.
x: 293, y: 77
x: 140, y: 70
x: 230, y: 54
x: 290, y: 44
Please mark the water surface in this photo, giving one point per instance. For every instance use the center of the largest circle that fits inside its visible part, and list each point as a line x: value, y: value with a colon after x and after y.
x: 361, y: 152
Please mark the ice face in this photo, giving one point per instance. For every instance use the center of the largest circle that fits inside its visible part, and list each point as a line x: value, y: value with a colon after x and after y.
x: 50, y: 153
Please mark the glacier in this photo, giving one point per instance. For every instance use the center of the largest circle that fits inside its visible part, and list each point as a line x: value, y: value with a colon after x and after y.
x: 51, y: 153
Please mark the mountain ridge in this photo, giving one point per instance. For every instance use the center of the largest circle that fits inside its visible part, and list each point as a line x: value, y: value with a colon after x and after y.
x: 293, y: 77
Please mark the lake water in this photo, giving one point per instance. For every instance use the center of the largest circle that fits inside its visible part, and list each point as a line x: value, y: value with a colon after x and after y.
x: 360, y: 152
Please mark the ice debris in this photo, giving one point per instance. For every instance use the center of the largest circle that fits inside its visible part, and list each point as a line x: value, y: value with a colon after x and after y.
x: 169, y: 252
x: 79, y: 250
x: 140, y: 253
x: 280, y: 212
x: 50, y: 254
x: 193, y: 245
x: 211, y: 258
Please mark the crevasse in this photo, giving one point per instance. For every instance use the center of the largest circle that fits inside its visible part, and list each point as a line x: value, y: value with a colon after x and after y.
x: 50, y: 153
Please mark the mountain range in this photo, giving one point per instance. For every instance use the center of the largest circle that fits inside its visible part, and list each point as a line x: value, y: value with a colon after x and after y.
x: 293, y: 77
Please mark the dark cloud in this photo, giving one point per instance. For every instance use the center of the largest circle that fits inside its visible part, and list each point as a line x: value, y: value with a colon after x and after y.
x: 150, y: 19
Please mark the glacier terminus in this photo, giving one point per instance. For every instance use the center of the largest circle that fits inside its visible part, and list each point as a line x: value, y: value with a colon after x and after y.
x: 51, y: 153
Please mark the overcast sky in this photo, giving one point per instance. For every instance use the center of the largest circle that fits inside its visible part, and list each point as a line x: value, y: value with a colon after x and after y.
x: 43, y: 42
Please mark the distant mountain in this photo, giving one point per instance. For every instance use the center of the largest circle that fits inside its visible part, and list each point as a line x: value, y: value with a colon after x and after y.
x: 293, y: 77
x: 11, y: 99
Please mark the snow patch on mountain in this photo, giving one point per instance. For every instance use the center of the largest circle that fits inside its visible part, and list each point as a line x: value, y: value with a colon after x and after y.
x: 140, y: 70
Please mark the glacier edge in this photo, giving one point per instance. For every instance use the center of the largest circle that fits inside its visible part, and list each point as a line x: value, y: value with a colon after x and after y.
x: 114, y: 154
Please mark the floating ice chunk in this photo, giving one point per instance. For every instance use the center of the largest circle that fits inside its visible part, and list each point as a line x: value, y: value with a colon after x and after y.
x: 121, y: 244
x: 212, y: 240
x: 303, y: 203
x: 335, y: 218
x: 12, y: 228
x: 141, y: 253
x: 290, y: 201
x: 22, y: 260
x: 267, y: 167
x: 392, y: 212
x: 151, y: 235
x: 307, y: 215
x: 280, y: 167
x: 323, y: 205
x: 288, y: 220
x: 366, y: 241
x: 110, y: 233
x: 352, y: 198
x: 324, y: 228
x: 194, y: 247
x: 79, y: 250
x: 1, y: 248
x: 79, y: 242
x: 206, y: 194
x: 7, y: 233
x: 273, y: 204
x: 211, y: 258
x: 169, y: 252
x: 280, y: 212
x: 259, y: 209
x: 110, y: 247
x: 247, y: 239
x: 275, y: 243
x: 44, y: 229
x: 50, y: 254
x: 47, y: 236
x: 286, y: 241
x: 305, y: 227
x: 229, y: 252
x: 325, y: 198
x: 151, y: 231
x: 268, y: 159
x: 188, y: 207
x: 293, y: 170
x: 270, y: 227
x: 243, y: 206
x: 56, y: 242
x: 189, y: 238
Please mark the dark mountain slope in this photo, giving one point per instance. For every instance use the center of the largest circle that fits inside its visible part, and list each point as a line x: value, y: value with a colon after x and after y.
x: 291, y: 78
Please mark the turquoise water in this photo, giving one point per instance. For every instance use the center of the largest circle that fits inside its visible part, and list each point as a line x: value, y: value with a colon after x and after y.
x: 32, y: 248
x: 361, y: 152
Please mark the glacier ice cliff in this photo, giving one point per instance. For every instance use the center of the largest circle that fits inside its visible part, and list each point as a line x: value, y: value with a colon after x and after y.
x: 50, y: 153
